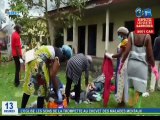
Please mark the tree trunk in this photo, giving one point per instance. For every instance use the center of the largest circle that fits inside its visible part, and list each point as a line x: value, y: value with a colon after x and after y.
x: 47, y: 22
x: 50, y: 26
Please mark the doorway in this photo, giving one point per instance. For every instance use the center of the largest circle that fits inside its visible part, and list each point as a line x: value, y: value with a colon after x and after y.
x: 130, y: 25
x: 59, y: 38
x: 92, y: 37
x: 81, y: 39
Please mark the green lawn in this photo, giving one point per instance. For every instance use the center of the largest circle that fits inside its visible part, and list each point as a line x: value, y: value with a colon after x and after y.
x: 10, y: 93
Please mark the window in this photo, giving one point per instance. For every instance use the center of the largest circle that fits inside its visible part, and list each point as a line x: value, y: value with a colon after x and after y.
x: 104, y: 32
x: 70, y: 34
x: 129, y: 25
x: 111, y: 26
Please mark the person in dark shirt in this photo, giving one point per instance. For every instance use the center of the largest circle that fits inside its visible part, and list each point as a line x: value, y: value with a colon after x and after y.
x: 156, y: 52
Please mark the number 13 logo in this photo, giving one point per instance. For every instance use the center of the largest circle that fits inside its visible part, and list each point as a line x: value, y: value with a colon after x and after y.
x: 9, y: 105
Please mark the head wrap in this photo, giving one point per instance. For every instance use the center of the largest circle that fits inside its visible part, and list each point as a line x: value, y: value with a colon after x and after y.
x: 123, y: 30
x: 67, y: 51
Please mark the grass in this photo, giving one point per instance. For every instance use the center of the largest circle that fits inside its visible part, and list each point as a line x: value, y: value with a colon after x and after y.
x: 10, y: 93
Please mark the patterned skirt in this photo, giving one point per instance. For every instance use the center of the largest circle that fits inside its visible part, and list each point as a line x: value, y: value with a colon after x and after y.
x: 122, y: 84
x: 36, y: 78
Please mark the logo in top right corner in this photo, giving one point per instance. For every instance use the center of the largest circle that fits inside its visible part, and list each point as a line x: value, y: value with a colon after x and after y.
x: 147, y: 13
x: 144, y: 23
x: 143, y: 13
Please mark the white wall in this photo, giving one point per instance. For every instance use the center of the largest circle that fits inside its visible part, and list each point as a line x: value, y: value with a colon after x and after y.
x: 99, y: 20
x: 89, y: 21
x: 118, y: 18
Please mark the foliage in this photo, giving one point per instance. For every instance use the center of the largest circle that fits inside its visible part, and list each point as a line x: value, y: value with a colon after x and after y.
x: 66, y: 18
x: 63, y: 18
x: 30, y: 26
x: 4, y: 59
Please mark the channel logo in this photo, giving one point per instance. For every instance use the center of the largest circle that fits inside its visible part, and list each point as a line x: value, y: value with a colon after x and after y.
x: 144, y: 23
x: 143, y: 13
x: 13, y: 13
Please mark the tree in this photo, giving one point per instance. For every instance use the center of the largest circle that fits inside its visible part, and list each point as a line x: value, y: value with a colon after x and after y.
x: 66, y: 19
x: 30, y: 25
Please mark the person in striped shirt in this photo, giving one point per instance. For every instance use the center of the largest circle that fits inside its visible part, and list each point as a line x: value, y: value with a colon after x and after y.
x: 75, y: 66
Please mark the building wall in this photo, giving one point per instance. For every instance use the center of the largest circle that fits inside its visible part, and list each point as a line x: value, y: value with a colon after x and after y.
x: 118, y: 19
x: 90, y: 21
x: 100, y: 45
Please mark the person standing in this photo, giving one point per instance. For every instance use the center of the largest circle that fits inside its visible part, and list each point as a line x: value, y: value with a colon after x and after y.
x: 16, y: 46
x: 75, y: 66
x: 139, y: 49
x: 121, y: 84
x: 156, y: 52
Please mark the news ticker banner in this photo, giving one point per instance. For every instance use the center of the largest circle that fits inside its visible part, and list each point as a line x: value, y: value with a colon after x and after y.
x: 10, y: 108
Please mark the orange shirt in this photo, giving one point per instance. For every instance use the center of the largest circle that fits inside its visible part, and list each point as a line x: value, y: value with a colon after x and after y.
x: 124, y: 43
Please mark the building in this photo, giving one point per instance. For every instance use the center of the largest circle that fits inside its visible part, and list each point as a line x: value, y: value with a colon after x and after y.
x: 97, y: 30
